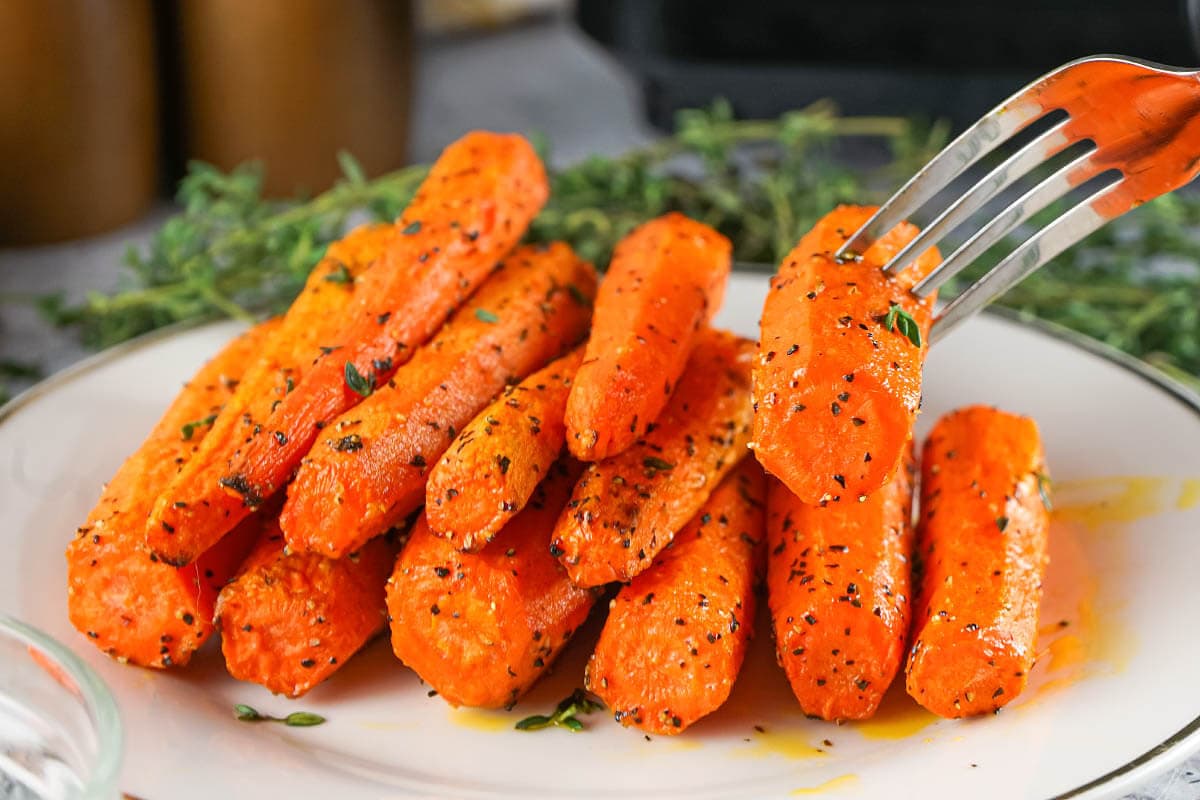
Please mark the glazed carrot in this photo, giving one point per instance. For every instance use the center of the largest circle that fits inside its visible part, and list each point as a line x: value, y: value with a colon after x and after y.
x: 367, y: 471
x: 666, y: 280
x: 837, y: 384
x: 485, y: 478
x: 838, y: 580
x: 469, y: 212
x: 132, y: 606
x: 480, y: 628
x: 676, y: 635
x: 982, y: 540
x: 626, y: 509
x: 193, y: 501
x: 290, y: 621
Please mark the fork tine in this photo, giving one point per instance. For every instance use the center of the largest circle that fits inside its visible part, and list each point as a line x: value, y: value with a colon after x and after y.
x: 1052, y: 188
x: 1014, y: 167
x: 1047, y: 243
x: 972, y: 144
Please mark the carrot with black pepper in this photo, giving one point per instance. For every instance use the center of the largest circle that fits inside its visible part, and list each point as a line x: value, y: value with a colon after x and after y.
x: 126, y: 601
x: 838, y: 585
x: 666, y: 280
x: 627, y: 508
x: 289, y: 621
x: 367, y: 470
x: 481, y: 628
x: 472, y: 209
x: 488, y: 474
x: 982, y: 543
x: 676, y: 635
x: 837, y: 382
x: 193, y: 501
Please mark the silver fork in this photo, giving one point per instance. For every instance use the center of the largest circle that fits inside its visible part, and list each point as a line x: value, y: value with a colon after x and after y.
x: 1143, y: 124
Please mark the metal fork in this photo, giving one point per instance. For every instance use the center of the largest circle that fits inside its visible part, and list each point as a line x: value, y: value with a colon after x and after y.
x: 1142, y: 121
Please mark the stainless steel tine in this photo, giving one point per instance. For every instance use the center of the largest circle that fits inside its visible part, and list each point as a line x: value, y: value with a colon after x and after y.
x: 1047, y: 243
x: 1043, y: 194
x: 1016, y: 166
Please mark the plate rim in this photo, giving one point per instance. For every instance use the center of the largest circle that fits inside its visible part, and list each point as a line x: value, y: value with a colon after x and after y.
x: 1172, y: 750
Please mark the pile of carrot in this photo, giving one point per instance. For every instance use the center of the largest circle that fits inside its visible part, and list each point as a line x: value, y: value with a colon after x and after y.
x: 468, y: 442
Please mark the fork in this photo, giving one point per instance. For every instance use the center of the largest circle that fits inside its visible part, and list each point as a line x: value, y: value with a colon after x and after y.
x: 1141, y: 123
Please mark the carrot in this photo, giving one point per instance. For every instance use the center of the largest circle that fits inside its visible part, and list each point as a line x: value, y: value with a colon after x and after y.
x: 131, y: 605
x: 368, y: 469
x: 838, y: 580
x: 676, y: 635
x: 626, y: 509
x: 480, y: 628
x: 193, y: 501
x: 982, y: 540
x: 666, y: 280
x: 290, y: 621
x: 485, y: 478
x: 837, y: 383
x: 469, y: 212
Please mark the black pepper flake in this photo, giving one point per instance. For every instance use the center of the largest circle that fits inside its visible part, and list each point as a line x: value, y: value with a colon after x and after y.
x: 862, y: 684
x: 648, y: 599
x: 791, y: 350
x: 810, y: 619
x: 348, y: 444
x: 835, y: 408
x: 308, y: 663
x: 188, y: 619
x: 680, y: 621
x: 433, y: 609
x: 503, y: 463
x: 281, y: 438
x: 418, y: 461
x: 841, y: 480
x: 441, y: 572
x: 168, y: 527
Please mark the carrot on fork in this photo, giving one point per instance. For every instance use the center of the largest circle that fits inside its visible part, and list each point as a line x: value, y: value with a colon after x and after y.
x: 676, y: 636
x: 625, y: 509
x: 192, y: 501
x: 481, y: 628
x: 472, y: 209
x: 130, y: 604
x: 666, y: 281
x: 982, y: 542
x: 838, y: 578
x: 367, y: 470
x: 490, y: 471
x: 837, y: 382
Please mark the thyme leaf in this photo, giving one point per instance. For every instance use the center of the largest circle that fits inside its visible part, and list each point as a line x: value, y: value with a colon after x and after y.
x: 296, y: 719
x: 564, y: 716
x: 897, y: 317
x: 359, y: 384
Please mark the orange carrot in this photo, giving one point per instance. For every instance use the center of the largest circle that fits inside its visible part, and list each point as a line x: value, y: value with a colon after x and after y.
x: 627, y: 508
x: 469, y: 212
x: 676, y: 635
x: 485, y: 478
x: 193, y: 500
x: 837, y: 383
x: 838, y: 581
x: 982, y: 541
x: 480, y: 628
x: 367, y: 471
x: 131, y: 605
x: 290, y: 621
x: 666, y: 280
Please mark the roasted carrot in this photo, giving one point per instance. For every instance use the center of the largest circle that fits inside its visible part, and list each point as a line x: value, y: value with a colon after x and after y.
x: 368, y: 469
x: 193, y: 500
x: 982, y: 541
x: 480, y: 628
x: 290, y: 621
x: 676, y: 635
x: 666, y: 280
x: 837, y: 382
x: 131, y: 605
x: 625, y: 509
x: 469, y: 212
x: 490, y: 471
x: 838, y: 580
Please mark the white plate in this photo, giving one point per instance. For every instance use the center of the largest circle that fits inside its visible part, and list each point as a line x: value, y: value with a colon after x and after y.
x: 1114, y: 698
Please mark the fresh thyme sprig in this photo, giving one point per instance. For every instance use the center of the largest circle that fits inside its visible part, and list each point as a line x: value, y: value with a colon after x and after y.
x: 564, y: 716
x: 763, y: 183
x: 296, y: 719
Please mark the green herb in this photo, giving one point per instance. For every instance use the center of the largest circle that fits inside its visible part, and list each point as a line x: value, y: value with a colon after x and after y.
x: 412, y: 228
x: 358, y: 383
x: 340, y: 275
x: 483, y: 315
x: 657, y: 464
x: 189, y: 428
x: 1043, y: 481
x: 897, y: 317
x: 1002, y: 523
x: 297, y: 719
x: 579, y: 702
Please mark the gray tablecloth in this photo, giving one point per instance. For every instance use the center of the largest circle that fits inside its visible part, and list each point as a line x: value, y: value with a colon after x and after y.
x: 544, y: 77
